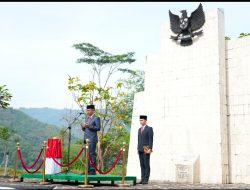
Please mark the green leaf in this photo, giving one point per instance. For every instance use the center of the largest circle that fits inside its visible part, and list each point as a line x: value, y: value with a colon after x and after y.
x: 5, y: 97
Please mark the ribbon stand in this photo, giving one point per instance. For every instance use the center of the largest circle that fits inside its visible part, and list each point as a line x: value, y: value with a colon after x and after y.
x: 44, y: 182
x: 86, y: 185
x: 123, y: 184
x: 15, y: 166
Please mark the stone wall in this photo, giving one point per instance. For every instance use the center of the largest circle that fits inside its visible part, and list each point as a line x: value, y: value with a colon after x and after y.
x: 185, y: 100
x: 238, y: 90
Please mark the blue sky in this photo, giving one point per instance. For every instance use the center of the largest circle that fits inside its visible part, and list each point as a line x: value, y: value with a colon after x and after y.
x: 36, y: 38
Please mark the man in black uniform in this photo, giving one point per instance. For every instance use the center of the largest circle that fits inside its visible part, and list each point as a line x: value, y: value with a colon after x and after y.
x: 90, y: 127
x: 145, y: 147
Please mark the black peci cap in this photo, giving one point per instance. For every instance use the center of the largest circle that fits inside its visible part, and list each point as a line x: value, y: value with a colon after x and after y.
x: 91, y: 107
x: 143, y: 117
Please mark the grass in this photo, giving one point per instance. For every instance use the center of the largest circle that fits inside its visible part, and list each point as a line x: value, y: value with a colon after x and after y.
x: 10, y: 171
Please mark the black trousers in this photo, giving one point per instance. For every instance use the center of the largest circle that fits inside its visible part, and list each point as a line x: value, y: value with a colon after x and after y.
x: 92, y: 148
x: 145, y: 166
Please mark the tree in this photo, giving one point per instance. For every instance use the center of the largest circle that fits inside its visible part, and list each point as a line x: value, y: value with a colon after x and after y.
x: 114, y: 141
x: 4, y: 137
x: 134, y: 83
x: 4, y: 133
x: 110, y: 101
x: 243, y: 35
x: 5, y: 97
x: 111, y: 112
x: 100, y: 60
x: 227, y: 38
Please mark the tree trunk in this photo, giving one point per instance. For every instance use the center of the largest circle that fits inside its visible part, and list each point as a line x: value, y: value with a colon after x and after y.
x: 6, y: 164
x: 100, y: 164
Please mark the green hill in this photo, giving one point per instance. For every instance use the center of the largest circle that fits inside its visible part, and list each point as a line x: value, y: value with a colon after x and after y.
x: 29, y: 132
x: 54, y: 117
x: 48, y: 115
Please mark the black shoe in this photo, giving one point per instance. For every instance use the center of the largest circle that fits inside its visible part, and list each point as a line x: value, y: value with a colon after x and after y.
x: 140, y: 182
x: 145, y: 182
x: 91, y: 172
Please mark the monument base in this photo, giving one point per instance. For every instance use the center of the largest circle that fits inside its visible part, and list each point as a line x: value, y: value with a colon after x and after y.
x: 86, y: 186
x: 44, y: 183
x: 15, y: 180
x: 123, y: 185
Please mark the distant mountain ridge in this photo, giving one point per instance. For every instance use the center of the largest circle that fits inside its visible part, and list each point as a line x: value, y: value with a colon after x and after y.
x: 54, y: 117
x: 48, y: 115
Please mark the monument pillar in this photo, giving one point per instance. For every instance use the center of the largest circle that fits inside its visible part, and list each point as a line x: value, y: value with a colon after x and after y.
x: 185, y: 101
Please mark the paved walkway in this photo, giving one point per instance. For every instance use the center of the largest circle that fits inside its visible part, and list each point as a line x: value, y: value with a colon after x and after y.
x: 34, y: 184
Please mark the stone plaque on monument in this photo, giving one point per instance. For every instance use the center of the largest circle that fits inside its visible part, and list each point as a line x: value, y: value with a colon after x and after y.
x: 187, y: 170
x: 183, y: 173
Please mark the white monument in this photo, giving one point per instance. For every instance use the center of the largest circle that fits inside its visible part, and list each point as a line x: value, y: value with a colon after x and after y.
x: 197, y: 99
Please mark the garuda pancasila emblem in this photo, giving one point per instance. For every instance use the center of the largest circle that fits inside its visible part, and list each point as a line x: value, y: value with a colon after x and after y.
x: 185, y: 26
